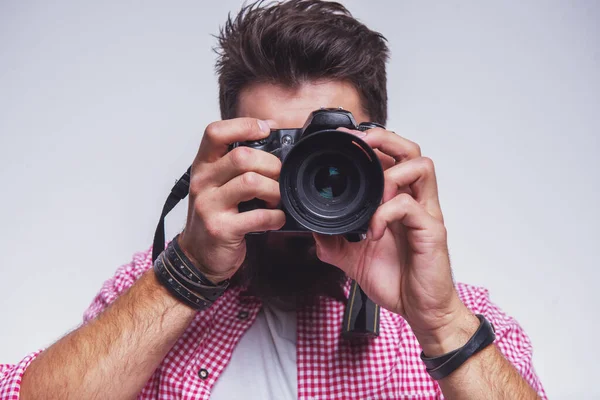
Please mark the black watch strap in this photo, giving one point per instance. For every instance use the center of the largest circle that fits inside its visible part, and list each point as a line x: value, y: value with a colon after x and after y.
x: 442, y: 366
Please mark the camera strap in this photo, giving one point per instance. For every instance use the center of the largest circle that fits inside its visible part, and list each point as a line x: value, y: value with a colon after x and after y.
x: 178, y: 193
x: 361, y: 316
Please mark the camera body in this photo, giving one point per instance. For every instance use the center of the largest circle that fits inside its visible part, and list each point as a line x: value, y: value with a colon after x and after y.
x: 331, y: 182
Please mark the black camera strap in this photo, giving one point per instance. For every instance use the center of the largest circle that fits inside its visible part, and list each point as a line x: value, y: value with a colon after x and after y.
x: 178, y: 193
x: 361, y: 316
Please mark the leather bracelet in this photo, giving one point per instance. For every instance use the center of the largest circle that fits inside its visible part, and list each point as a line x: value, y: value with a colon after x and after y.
x: 185, y: 260
x: 209, y: 292
x: 179, y: 275
x: 175, y: 287
x: 189, y: 276
x: 442, y: 366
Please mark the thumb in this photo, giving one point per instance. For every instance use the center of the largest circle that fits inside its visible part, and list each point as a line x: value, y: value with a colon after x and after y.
x: 330, y: 249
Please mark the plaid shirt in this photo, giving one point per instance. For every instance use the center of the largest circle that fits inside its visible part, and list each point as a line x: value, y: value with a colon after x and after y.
x: 387, y: 367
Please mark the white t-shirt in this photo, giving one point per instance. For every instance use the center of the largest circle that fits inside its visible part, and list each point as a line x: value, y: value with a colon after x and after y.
x: 263, y: 364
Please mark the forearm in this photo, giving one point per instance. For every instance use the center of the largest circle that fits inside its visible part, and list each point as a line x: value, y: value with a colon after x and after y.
x: 486, y: 374
x: 114, y: 355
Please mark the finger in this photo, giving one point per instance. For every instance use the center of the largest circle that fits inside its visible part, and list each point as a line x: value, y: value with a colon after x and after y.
x: 405, y: 210
x: 392, y: 144
x: 259, y: 220
x: 244, y: 159
x: 386, y: 161
x: 220, y: 134
x: 248, y: 186
x: 418, y: 175
x: 330, y: 247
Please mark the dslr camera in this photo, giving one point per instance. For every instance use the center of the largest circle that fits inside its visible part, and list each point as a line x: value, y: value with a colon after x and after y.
x: 331, y: 182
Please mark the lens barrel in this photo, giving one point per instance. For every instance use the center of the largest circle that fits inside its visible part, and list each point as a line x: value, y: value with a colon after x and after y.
x: 331, y: 182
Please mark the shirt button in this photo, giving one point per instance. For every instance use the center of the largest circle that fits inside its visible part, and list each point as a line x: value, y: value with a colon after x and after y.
x: 203, y: 373
x: 243, y: 315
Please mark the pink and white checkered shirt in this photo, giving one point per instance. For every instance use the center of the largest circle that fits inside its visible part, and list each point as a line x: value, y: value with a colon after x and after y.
x: 387, y: 367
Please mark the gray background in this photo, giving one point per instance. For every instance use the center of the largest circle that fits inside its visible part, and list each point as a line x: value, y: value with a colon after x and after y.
x: 103, y: 104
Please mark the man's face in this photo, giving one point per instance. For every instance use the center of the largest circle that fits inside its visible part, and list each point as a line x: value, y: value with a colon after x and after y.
x: 283, y: 267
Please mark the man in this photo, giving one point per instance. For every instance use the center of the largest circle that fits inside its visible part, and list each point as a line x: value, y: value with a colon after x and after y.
x: 275, y: 333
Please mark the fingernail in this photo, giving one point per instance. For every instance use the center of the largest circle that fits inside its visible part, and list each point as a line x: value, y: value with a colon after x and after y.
x: 369, y: 234
x: 264, y: 126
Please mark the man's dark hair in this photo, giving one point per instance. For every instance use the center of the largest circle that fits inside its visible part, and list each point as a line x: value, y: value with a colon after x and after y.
x: 297, y: 41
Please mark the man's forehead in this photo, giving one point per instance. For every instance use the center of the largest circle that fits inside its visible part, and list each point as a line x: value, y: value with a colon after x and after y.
x: 290, y: 107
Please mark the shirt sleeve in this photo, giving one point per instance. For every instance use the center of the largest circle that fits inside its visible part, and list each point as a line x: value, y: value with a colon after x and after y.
x: 10, y: 377
x: 511, y: 339
x: 124, y: 278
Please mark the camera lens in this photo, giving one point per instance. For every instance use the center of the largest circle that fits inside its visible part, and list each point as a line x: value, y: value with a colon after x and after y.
x: 330, y: 182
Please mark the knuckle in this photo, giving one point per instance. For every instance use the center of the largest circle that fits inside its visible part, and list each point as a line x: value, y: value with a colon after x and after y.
x: 427, y: 165
x: 213, y: 227
x: 200, y: 213
x: 200, y: 208
x: 197, y: 180
x: 212, y: 130
x: 414, y: 148
x: 240, y: 156
x: 405, y: 200
x: 250, y: 179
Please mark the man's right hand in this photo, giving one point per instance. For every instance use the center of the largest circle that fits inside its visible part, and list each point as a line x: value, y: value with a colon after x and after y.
x: 214, y: 234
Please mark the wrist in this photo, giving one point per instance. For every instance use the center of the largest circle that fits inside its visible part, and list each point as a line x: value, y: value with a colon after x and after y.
x: 450, y: 336
x: 185, y: 247
x: 151, y: 289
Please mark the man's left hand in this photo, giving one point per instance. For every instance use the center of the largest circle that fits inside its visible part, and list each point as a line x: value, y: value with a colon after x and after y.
x: 403, y: 265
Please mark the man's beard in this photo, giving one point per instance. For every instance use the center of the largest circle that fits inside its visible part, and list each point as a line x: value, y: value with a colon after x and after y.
x: 283, y: 270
